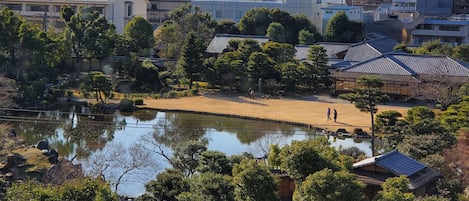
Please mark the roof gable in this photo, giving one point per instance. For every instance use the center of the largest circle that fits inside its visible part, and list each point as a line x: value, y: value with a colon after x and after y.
x: 220, y: 41
x: 379, y: 65
x: 432, y: 65
x: 369, y: 49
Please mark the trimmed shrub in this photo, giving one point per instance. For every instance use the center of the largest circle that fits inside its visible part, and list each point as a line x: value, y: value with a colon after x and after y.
x: 139, y: 101
x: 126, y: 105
x: 194, y: 92
x: 172, y: 94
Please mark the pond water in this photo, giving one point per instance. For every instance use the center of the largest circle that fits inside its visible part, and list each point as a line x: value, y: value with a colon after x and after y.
x: 87, y: 139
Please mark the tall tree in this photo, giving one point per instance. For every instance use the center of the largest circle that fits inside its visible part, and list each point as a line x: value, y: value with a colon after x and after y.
x: 366, y: 97
x: 435, y: 47
x: 305, y: 37
x: 341, y: 29
x: 315, y: 72
x: 254, y: 182
x: 209, y: 186
x: 289, y: 75
x: 140, y: 34
x: 98, y: 83
x: 327, y: 185
x: 260, y: 66
x: 255, y: 21
x: 192, y: 58
x: 214, y: 161
x: 173, y: 33
x: 279, y: 52
x: 276, y: 32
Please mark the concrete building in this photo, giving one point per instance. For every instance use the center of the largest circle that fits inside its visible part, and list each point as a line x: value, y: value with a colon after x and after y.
x: 455, y: 32
x: 158, y: 10
x: 354, y: 13
x: 47, y: 12
x: 235, y: 9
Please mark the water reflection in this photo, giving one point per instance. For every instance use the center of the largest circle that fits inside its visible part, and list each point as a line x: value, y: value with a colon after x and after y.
x: 83, y: 135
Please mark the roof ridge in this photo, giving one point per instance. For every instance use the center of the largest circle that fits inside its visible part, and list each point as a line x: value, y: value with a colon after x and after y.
x: 399, y: 63
x: 361, y: 62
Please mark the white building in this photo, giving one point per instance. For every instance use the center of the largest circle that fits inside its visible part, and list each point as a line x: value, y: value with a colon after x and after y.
x: 235, y: 9
x: 47, y: 12
x: 354, y: 13
x: 403, y: 6
x: 455, y: 32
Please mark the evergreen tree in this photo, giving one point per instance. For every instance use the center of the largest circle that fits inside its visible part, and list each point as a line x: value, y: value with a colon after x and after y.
x: 192, y: 58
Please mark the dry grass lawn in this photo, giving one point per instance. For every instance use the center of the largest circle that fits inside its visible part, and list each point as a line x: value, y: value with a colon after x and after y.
x: 310, y: 111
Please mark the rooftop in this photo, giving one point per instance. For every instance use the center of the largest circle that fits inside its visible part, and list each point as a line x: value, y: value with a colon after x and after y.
x: 394, y: 162
x: 220, y: 41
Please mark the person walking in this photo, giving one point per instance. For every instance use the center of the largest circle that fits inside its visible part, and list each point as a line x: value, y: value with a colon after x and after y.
x: 328, y: 113
x: 335, y: 115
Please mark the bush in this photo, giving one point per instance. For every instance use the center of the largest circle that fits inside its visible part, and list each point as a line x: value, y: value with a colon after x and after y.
x: 194, y: 92
x: 126, y: 105
x: 172, y: 94
x: 138, y: 101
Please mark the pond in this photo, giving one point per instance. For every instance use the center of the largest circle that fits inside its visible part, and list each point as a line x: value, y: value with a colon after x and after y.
x: 88, y: 138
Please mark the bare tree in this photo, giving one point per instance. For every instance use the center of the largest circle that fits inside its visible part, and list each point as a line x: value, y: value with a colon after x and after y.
x: 440, y: 89
x: 116, y: 161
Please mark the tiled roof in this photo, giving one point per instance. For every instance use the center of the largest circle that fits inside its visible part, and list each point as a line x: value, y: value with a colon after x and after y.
x: 408, y: 64
x: 332, y: 49
x: 398, y: 163
x: 220, y: 41
x: 394, y: 162
x: 370, y: 49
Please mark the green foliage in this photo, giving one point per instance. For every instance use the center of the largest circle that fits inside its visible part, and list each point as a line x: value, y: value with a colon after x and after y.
x: 402, y: 47
x: 126, y: 105
x: 306, y: 37
x: 289, y: 75
x: 146, y: 77
x: 435, y: 47
x: 84, y: 189
x: 327, y: 185
x: 276, y: 32
x: 226, y: 26
x: 187, y: 155
x: 387, y: 121
x: 192, y: 58
x: 260, y: 65
x: 318, y: 153
x: 214, y: 161
x: 173, y: 33
x: 139, y: 33
x: 166, y: 186
x: 274, y: 159
x: 209, y: 187
x: 461, y: 52
x: 315, y: 72
x: 395, y: 188
x: 456, y: 116
x: 256, y: 22
x: 98, y: 83
x: 341, y: 29
x: 254, y: 182
x: 417, y: 114
x: 279, y: 52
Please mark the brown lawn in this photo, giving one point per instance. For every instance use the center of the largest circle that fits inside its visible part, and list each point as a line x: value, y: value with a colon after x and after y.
x: 310, y: 111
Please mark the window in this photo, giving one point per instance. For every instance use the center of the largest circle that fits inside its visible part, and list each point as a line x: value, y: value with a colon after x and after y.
x: 32, y: 7
x: 427, y: 27
x: 128, y: 9
x: 218, y: 14
x: 448, y: 28
x: 16, y: 7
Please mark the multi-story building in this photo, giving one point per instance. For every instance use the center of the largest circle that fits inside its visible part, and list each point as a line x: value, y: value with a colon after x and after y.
x: 47, y: 12
x: 461, y: 6
x: 455, y: 32
x: 354, y: 13
x: 158, y: 10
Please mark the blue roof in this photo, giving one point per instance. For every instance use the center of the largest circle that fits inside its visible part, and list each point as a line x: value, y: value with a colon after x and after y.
x: 446, y: 22
x: 398, y: 163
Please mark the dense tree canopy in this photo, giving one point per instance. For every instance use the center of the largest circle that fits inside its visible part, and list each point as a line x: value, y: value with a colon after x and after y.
x: 254, y: 182
x: 341, y: 29
x: 140, y: 34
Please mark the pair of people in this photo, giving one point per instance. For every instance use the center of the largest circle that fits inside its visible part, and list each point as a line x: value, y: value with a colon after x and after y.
x: 329, y: 114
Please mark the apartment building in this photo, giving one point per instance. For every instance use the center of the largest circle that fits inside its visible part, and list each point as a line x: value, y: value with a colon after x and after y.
x: 47, y: 12
x: 455, y: 32
x: 158, y: 10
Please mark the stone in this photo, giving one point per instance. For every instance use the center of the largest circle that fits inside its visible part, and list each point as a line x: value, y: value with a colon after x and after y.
x: 43, y: 144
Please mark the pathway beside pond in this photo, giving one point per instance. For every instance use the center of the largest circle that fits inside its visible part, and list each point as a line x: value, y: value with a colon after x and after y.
x: 308, y: 110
